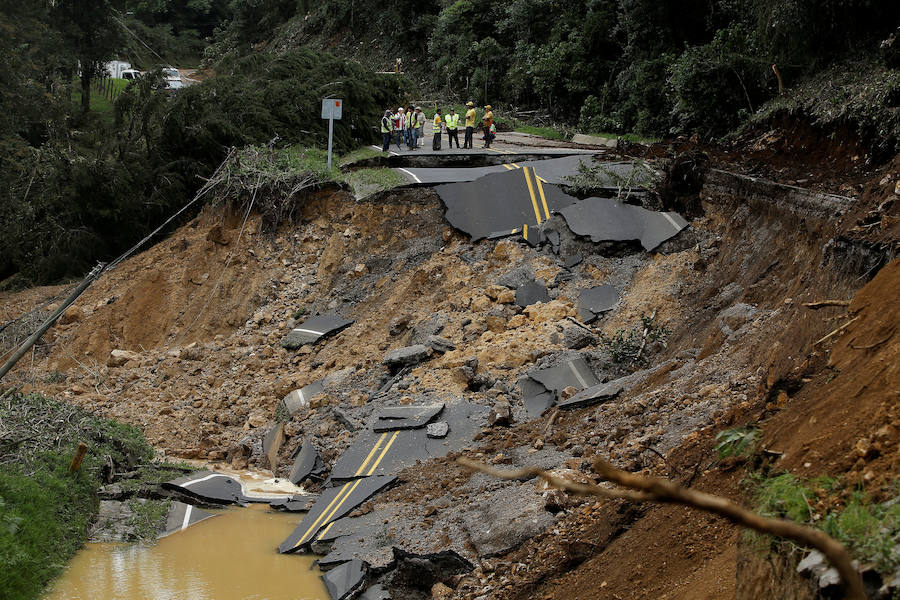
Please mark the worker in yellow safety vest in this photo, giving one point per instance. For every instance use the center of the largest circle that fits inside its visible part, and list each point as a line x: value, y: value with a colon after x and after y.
x: 470, y: 125
x: 436, y: 129
x: 386, y: 131
x: 452, y: 127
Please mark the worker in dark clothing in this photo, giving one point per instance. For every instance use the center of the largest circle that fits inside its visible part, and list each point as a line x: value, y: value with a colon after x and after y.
x: 452, y: 128
x: 436, y: 129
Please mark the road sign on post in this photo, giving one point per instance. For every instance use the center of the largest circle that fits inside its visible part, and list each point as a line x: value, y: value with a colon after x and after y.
x: 331, y: 110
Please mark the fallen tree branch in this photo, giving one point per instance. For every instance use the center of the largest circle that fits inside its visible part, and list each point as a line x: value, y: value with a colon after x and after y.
x: 651, y: 489
x: 836, y: 331
x: 825, y: 303
x: 644, y: 337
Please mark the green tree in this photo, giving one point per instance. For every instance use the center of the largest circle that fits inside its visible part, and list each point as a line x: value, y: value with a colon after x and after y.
x: 91, y: 32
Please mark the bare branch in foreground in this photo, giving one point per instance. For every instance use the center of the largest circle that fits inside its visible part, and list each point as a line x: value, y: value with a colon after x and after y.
x: 652, y: 489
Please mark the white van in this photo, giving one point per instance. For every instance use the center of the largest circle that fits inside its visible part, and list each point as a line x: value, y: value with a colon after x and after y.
x: 130, y: 74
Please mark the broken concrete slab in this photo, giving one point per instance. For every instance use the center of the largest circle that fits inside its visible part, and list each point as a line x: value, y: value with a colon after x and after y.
x: 406, y: 357
x: 392, y: 418
x: 501, y: 202
x: 574, y: 373
x: 307, y: 463
x: 294, y: 503
x: 298, y: 400
x: 517, y: 277
x: 535, y: 396
x: 207, y: 486
x: 314, y: 329
x: 572, y: 261
x: 346, y: 580
x: 606, y: 219
x: 594, y: 395
x: 502, y: 522
x: 438, y: 430
x: 333, y: 504
x: 440, y: 344
x: 376, y: 592
x: 596, y: 300
x: 181, y: 516
x: 272, y: 441
x: 531, y: 293
x: 388, y: 452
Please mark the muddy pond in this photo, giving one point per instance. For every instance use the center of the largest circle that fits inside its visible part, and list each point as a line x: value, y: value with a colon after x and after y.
x: 230, y: 557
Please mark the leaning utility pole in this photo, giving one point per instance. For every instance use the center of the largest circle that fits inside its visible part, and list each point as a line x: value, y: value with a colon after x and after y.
x: 34, y: 337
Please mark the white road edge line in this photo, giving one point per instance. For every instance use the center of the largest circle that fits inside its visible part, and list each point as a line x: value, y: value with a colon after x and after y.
x: 578, y: 375
x: 187, y: 483
x: 672, y: 221
x: 410, y: 173
x: 187, y: 517
x: 309, y: 331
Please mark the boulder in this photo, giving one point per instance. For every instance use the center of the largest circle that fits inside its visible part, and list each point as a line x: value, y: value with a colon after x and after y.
x: 407, y: 357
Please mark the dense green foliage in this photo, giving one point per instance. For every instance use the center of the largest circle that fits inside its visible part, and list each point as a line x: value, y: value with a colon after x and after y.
x: 79, y: 187
x: 615, y: 65
x: 44, y: 510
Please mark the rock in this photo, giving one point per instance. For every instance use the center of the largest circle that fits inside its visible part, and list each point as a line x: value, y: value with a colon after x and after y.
x: 406, y: 357
x: 427, y: 328
x: 343, y: 418
x: 480, y: 304
x: 73, y: 314
x: 495, y: 323
x: 117, y: 358
x: 399, y: 325
x: 438, y: 429
x: 500, y: 415
x: 439, y: 344
x: 507, y: 296
x: 575, y: 337
x: 517, y: 277
x: 439, y: 591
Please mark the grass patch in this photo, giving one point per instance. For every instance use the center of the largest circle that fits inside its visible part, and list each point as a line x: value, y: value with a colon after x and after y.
x: 369, y: 181
x: 869, y: 530
x: 44, y: 509
x: 99, y: 103
x: 739, y: 441
x: 146, y: 516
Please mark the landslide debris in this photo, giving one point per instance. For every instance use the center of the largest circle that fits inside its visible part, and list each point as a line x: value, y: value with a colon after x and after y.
x: 199, y: 366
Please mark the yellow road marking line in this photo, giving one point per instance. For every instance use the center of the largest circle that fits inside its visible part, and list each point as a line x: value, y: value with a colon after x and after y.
x: 327, y: 508
x: 383, y: 452
x: 541, y: 191
x: 344, y: 489
x: 516, y: 166
x: 371, y: 470
x: 374, y: 449
x: 542, y: 179
x: 339, y: 504
x: 324, y: 531
x: 525, y: 231
x: 507, y: 167
x: 537, y: 212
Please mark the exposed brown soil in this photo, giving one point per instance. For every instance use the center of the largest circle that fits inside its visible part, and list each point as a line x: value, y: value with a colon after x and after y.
x: 207, y: 369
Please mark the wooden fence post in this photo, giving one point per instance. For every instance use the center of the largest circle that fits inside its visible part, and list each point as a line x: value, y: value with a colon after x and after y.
x: 78, y: 458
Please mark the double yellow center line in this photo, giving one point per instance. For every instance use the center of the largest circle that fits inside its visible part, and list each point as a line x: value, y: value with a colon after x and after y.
x: 347, y: 489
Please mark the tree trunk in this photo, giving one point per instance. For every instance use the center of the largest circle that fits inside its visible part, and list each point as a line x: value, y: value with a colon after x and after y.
x: 85, y: 89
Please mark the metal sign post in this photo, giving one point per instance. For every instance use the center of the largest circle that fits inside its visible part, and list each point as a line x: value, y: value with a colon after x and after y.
x: 331, y: 110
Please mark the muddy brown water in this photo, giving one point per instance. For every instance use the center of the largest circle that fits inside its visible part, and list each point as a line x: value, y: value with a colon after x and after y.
x: 230, y: 557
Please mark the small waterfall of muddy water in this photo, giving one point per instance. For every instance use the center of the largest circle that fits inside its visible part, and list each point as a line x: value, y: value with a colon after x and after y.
x: 230, y: 557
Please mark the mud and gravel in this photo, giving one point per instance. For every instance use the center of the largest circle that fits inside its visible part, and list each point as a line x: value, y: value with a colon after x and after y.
x: 204, y: 370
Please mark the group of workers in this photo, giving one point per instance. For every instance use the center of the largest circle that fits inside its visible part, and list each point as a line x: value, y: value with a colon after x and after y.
x: 407, y: 126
